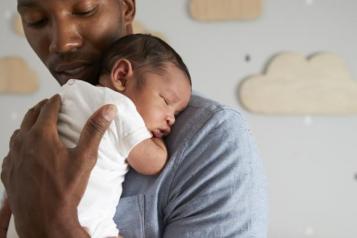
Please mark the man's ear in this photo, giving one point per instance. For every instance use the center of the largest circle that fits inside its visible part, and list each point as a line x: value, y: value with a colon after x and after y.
x: 129, y: 10
x: 122, y: 71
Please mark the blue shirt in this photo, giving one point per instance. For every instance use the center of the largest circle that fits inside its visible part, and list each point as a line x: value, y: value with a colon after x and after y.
x: 212, y: 186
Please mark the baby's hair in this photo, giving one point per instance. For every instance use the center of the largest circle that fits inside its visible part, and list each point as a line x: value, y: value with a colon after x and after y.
x: 145, y: 52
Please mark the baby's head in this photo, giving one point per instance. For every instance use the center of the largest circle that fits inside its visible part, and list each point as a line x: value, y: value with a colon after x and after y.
x: 152, y: 75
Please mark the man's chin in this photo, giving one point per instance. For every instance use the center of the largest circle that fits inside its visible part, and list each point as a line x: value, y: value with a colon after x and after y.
x: 62, y: 79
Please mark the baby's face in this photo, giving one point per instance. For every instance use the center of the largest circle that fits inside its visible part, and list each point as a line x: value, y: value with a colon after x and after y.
x: 161, y: 98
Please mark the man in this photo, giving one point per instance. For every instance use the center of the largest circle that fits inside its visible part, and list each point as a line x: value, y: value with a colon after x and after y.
x: 212, y: 186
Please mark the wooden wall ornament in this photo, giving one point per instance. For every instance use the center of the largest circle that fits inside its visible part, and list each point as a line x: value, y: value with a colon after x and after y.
x: 296, y: 85
x: 16, y: 77
x: 225, y: 10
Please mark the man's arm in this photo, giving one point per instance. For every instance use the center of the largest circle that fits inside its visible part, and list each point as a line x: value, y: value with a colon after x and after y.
x: 43, y: 179
x: 148, y: 157
x: 219, y: 187
x: 5, y: 215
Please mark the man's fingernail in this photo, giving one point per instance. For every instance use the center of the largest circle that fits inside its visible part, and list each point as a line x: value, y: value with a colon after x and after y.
x: 109, y: 112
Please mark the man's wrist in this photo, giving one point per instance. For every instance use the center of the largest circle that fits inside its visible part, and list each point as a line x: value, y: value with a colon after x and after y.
x: 68, y: 231
x: 68, y: 227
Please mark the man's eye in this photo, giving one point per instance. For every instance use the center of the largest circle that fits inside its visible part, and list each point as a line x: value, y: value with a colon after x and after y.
x: 87, y: 12
x: 37, y: 23
x: 33, y: 18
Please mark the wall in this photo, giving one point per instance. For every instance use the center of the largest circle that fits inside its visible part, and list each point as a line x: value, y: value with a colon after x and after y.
x: 311, y: 162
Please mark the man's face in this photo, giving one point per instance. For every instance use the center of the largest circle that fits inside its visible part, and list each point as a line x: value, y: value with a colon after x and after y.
x: 70, y: 35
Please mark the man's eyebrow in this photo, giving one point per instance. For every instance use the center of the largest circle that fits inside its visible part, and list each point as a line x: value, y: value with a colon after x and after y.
x: 25, y: 4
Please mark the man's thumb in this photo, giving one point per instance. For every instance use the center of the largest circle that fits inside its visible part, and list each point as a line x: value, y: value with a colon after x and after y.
x: 94, y: 129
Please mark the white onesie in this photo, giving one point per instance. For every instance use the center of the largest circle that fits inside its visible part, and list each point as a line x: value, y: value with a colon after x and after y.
x: 79, y: 101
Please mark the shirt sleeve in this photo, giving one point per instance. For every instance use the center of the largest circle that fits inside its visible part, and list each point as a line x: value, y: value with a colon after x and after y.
x: 219, y: 189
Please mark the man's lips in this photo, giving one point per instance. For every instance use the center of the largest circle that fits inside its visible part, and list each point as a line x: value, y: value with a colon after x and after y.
x: 64, y: 72
x: 70, y: 69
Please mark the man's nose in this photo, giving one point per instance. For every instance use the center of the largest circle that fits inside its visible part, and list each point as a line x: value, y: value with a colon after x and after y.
x: 65, y: 37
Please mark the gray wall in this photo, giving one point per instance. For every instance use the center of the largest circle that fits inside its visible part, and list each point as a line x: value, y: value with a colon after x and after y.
x: 311, y: 162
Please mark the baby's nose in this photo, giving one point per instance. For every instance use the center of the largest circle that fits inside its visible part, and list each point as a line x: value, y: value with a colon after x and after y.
x: 170, y: 120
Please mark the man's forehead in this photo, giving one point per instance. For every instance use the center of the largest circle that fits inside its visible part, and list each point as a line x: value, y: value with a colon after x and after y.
x: 32, y: 3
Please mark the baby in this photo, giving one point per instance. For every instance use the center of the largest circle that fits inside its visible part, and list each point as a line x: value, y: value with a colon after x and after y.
x: 150, y: 85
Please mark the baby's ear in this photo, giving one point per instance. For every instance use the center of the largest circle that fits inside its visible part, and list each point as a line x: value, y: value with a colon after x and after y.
x: 121, y: 72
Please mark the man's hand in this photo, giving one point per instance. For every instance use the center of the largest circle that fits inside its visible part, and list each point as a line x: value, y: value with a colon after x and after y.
x: 43, y: 179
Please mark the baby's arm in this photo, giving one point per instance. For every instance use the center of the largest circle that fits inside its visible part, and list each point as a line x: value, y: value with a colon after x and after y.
x: 148, y: 157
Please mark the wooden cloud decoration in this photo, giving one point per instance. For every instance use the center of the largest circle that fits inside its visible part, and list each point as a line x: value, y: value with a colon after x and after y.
x: 16, y: 76
x: 225, y: 10
x: 296, y: 85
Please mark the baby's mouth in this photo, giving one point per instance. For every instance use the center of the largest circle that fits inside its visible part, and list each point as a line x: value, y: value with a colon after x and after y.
x: 158, y: 133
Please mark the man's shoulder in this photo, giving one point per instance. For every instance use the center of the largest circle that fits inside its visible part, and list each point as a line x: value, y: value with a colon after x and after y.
x: 217, y: 159
x: 201, y: 107
x: 210, y: 134
x: 202, y: 116
x: 202, y: 103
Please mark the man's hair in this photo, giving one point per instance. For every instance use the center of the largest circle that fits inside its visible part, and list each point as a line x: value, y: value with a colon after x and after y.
x: 146, y: 53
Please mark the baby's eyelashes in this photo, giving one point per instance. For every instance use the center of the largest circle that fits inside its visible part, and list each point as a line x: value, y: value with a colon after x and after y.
x: 165, y: 100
